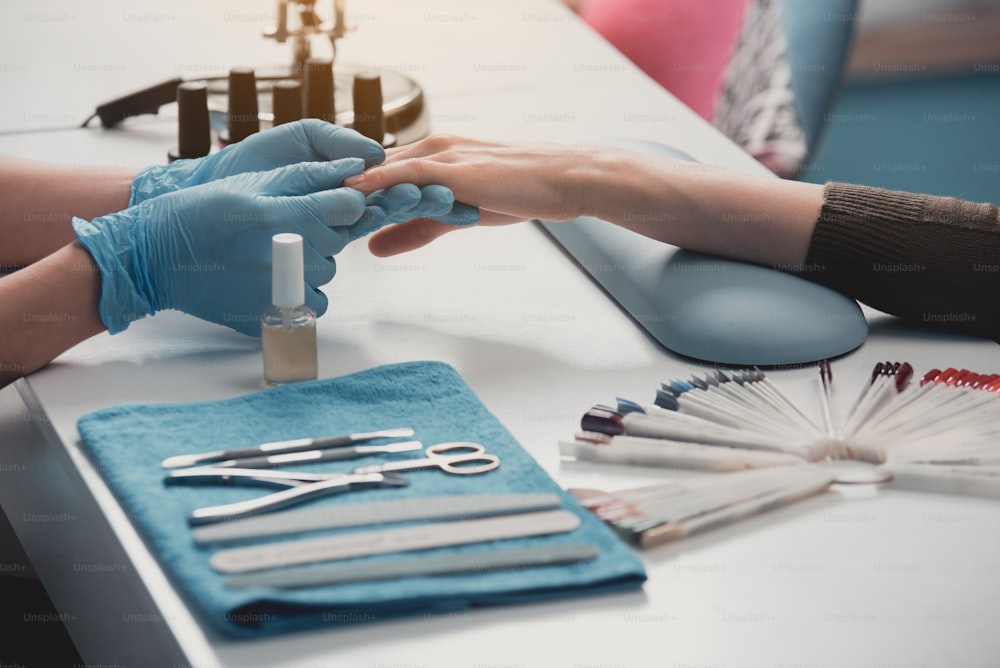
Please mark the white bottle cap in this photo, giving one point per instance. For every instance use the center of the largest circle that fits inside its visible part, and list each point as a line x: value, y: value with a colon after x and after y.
x: 287, y: 272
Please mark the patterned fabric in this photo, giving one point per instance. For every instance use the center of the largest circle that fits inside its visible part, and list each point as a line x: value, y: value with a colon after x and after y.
x: 756, y: 105
x: 684, y: 45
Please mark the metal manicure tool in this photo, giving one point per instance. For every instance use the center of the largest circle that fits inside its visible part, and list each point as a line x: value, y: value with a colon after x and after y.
x: 496, y: 559
x: 282, y: 447
x: 444, y: 507
x: 332, y: 484
x: 315, y: 456
x: 458, y: 458
x: 386, y: 541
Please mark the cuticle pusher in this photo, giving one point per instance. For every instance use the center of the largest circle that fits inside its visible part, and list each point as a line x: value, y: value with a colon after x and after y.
x: 279, y: 447
x: 315, y: 456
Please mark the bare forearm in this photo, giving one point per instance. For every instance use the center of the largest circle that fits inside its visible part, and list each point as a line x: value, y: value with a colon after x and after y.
x: 47, y: 308
x: 704, y: 208
x: 40, y: 200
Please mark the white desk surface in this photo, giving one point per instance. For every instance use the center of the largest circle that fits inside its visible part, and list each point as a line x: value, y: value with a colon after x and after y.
x: 885, y: 578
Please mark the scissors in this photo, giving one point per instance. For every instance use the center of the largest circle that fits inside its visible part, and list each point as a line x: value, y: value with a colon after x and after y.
x: 458, y: 458
x: 449, y: 457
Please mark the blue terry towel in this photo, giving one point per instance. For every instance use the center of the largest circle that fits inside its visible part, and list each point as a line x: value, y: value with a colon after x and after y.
x: 129, y: 442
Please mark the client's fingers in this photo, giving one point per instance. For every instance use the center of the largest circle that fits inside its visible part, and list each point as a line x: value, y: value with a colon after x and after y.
x: 443, y: 147
x: 417, y: 172
x: 418, y: 232
x: 494, y: 219
x: 407, y: 236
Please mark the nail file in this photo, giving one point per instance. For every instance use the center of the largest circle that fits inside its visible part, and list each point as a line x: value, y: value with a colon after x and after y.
x: 402, y: 539
x: 480, y: 562
x: 449, y: 507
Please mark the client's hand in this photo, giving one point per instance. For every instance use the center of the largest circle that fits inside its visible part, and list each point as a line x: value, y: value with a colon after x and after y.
x: 206, y: 250
x: 507, y: 182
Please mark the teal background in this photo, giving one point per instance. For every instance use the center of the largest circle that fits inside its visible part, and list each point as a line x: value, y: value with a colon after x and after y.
x: 937, y: 135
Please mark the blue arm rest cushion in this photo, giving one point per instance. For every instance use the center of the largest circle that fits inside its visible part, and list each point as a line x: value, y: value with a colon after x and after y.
x: 710, y: 308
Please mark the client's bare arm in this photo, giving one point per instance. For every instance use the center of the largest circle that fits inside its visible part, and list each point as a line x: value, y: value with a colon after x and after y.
x: 700, y: 207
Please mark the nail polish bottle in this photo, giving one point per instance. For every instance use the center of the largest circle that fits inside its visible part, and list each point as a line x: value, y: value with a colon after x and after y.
x: 288, y: 329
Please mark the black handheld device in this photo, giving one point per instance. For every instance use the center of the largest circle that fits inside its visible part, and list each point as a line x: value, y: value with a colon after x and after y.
x: 144, y: 101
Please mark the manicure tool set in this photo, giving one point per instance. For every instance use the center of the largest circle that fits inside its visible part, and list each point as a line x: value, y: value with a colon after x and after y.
x: 447, y: 520
x: 940, y: 434
x: 446, y: 511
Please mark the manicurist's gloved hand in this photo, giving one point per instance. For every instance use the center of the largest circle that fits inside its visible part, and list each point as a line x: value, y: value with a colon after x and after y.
x: 206, y: 250
x: 308, y: 140
x: 405, y: 201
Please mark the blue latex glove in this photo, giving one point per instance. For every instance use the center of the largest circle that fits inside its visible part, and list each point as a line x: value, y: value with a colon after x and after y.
x: 206, y: 250
x: 308, y: 140
x: 405, y: 201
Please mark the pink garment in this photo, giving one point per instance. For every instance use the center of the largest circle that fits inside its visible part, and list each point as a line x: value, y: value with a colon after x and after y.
x: 683, y: 44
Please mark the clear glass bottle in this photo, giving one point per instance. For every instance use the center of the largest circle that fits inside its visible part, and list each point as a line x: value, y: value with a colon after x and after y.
x: 288, y: 329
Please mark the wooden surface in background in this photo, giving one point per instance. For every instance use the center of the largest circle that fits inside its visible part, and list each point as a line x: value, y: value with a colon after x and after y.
x: 958, y: 41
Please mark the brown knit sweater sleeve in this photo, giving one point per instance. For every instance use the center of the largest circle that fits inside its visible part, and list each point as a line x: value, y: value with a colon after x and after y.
x: 931, y: 260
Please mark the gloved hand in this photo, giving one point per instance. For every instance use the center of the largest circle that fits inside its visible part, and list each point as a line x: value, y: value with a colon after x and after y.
x: 308, y: 140
x: 206, y: 250
x: 406, y: 201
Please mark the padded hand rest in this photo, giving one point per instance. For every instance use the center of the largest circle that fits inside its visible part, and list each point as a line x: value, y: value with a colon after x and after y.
x: 709, y: 308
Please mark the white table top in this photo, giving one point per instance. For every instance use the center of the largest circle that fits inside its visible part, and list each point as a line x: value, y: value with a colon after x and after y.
x: 889, y: 578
